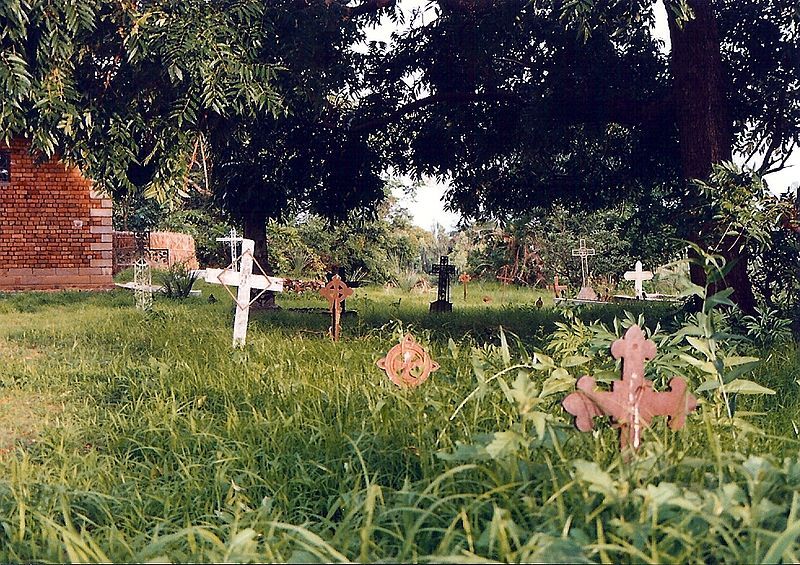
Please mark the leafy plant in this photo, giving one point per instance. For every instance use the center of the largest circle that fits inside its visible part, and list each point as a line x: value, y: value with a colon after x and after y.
x: 767, y: 328
x: 177, y: 281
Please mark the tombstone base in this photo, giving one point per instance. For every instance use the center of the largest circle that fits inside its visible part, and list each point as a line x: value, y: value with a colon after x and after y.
x: 587, y: 293
x: 441, y: 306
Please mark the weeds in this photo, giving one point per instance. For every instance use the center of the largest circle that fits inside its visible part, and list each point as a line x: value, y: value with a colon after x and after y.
x: 171, y: 447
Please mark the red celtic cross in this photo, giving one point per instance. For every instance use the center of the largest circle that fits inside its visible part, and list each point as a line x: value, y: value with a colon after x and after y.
x: 336, y: 291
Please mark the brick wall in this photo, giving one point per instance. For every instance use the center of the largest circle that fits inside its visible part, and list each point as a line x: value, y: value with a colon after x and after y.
x: 55, y: 230
x: 179, y: 247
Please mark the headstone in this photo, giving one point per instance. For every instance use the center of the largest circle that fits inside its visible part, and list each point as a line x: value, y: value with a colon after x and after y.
x: 408, y: 364
x: 444, y: 270
x: 638, y: 276
x: 142, y: 284
x: 245, y: 280
x: 632, y: 402
x: 586, y: 292
x: 336, y: 291
x: 464, y: 279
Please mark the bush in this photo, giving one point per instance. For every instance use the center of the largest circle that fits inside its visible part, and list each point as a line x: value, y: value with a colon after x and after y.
x: 177, y: 281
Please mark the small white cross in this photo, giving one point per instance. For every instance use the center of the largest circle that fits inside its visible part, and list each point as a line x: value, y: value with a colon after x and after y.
x: 142, y: 284
x: 234, y: 240
x: 245, y: 280
x: 638, y: 276
x: 583, y: 252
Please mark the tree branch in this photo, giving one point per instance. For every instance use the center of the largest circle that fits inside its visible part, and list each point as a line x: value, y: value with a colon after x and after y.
x: 451, y: 97
x: 366, y: 7
x: 584, y: 110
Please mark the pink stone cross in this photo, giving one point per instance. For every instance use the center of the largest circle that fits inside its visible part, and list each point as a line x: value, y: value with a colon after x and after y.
x: 632, y: 402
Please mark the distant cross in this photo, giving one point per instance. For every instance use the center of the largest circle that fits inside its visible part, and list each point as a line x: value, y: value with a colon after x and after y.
x: 142, y: 284
x: 632, y: 402
x: 584, y: 252
x: 245, y: 280
x: 504, y: 276
x: 444, y: 270
x: 464, y: 279
x: 638, y: 276
x: 336, y: 291
x: 558, y: 289
x: 234, y: 241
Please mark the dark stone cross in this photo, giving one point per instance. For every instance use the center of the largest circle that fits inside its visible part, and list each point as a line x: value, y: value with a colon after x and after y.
x: 444, y: 270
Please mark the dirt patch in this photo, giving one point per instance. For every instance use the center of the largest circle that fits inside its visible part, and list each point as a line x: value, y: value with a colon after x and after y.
x: 23, y: 415
x: 10, y: 349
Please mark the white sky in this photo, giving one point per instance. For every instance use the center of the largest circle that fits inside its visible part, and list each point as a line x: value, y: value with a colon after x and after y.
x: 427, y: 208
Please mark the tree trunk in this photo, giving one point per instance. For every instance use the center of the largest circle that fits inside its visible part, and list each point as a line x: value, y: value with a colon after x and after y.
x: 255, y: 228
x: 704, y: 129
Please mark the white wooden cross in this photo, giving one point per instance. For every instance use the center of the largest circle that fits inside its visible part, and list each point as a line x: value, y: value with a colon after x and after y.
x: 234, y: 240
x: 638, y: 276
x: 583, y: 252
x: 245, y: 280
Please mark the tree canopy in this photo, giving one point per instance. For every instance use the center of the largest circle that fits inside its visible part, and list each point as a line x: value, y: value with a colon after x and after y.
x: 519, y: 103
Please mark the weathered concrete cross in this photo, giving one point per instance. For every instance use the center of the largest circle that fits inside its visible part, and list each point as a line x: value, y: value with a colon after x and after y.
x: 638, y: 276
x: 245, y: 280
x: 632, y: 402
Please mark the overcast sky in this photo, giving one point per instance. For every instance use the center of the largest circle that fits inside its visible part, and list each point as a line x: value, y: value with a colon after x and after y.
x: 427, y: 208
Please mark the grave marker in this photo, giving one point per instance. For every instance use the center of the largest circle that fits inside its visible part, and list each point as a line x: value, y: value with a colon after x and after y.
x: 558, y: 289
x: 638, y: 276
x: 408, y: 364
x: 336, y: 291
x: 444, y: 270
x: 245, y: 280
x: 142, y: 284
x: 632, y: 402
x: 586, y: 292
x: 464, y: 279
x: 233, y: 239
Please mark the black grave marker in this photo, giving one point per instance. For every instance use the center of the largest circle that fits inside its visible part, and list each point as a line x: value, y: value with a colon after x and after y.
x: 444, y: 270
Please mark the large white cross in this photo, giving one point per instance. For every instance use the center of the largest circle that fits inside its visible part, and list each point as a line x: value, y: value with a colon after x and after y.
x: 245, y: 280
x: 583, y: 252
x: 638, y: 276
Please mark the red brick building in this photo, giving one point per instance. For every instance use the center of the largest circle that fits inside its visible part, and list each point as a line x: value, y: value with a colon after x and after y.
x: 55, y: 230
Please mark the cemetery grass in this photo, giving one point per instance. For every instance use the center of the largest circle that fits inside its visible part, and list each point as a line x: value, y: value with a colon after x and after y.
x: 136, y: 436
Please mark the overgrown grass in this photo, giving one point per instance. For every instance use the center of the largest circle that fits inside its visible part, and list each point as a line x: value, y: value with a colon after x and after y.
x: 160, y: 443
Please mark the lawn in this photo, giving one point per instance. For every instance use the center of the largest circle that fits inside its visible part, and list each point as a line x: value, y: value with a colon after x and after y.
x: 131, y: 436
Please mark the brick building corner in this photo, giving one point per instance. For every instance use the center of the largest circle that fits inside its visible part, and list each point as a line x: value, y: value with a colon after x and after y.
x: 55, y: 229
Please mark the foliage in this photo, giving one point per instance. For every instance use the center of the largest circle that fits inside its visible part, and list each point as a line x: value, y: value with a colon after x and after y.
x: 177, y: 281
x: 383, y: 247
x: 297, y: 449
x: 124, y: 88
x: 767, y: 328
x: 620, y: 236
x: 742, y: 217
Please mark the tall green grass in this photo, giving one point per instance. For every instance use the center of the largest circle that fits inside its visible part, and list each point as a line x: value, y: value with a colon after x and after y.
x: 163, y: 444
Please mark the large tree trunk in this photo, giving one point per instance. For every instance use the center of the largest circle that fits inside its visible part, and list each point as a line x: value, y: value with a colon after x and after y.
x: 704, y: 128
x: 255, y: 228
